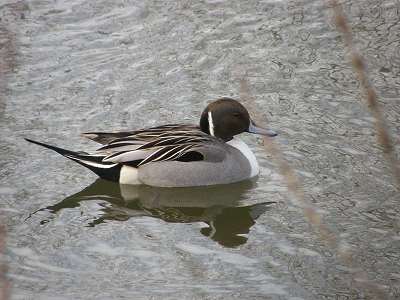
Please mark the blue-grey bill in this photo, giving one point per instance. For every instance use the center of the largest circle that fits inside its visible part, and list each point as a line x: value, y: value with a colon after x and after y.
x: 259, y: 130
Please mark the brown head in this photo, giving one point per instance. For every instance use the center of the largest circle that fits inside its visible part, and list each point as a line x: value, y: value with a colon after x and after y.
x: 226, y: 117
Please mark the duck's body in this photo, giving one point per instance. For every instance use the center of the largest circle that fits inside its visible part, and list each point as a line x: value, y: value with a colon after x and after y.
x: 223, y: 164
x: 176, y: 155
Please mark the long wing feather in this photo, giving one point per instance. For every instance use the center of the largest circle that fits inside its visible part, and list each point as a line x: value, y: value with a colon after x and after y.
x: 127, y: 156
x: 167, y: 153
x: 142, y: 134
x: 162, y: 143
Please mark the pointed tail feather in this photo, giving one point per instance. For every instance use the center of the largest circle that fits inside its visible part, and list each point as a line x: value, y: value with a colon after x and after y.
x: 54, y: 148
x: 105, y: 170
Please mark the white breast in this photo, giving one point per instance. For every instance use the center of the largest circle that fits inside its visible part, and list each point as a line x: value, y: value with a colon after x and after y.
x: 129, y: 175
x: 245, y: 150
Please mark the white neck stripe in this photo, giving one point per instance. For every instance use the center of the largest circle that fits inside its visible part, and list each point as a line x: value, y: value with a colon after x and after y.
x: 242, y: 147
x: 210, y: 123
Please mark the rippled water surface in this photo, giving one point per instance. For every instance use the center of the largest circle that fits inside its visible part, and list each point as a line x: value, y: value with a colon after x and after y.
x: 72, y: 66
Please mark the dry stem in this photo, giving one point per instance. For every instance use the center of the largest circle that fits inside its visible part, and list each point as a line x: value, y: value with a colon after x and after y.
x: 4, y: 283
x: 368, y: 90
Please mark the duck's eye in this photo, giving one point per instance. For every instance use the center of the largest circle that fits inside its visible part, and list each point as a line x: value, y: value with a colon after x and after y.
x: 236, y: 114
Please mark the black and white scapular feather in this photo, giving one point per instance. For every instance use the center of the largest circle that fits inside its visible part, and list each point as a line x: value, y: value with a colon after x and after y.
x: 136, y: 148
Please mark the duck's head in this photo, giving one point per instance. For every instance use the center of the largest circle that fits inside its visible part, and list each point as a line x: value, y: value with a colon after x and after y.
x: 226, y: 117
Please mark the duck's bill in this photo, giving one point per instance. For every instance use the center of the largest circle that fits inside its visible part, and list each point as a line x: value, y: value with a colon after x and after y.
x: 253, y: 128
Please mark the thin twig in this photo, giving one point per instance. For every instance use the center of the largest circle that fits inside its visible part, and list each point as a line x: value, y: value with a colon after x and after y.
x: 4, y: 283
x: 292, y: 182
x: 359, y: 66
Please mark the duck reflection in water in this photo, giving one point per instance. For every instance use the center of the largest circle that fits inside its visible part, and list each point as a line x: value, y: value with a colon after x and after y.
x: 222, y: 207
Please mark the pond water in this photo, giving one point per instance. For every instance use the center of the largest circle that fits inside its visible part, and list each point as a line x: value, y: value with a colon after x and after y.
x: 74, y: 66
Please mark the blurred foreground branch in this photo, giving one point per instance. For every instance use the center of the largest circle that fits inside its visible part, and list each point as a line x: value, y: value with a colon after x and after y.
x: 4, y: 283
x: 368, y: 90
x: 292, y: 182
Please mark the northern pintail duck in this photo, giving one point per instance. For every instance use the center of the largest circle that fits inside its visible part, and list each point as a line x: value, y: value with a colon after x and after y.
x: 176, y: 155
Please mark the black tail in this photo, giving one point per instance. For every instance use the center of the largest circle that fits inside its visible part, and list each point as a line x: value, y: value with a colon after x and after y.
x: 105, y: 170
x: 63, y: 152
